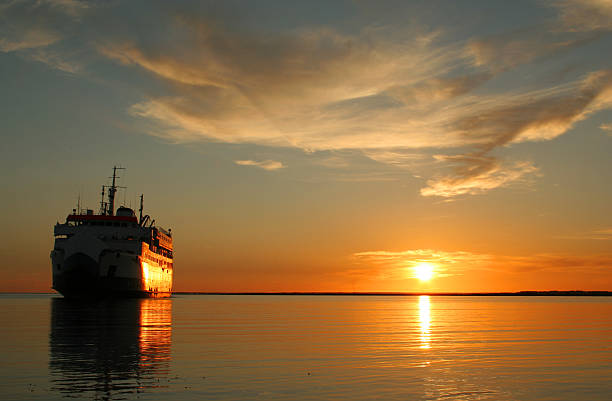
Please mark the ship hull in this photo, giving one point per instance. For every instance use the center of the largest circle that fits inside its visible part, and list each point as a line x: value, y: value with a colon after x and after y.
x: 117, y: 287
x: 80, y: 276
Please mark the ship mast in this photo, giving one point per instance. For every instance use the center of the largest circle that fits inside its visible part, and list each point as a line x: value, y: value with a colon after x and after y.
x: 141, y: 207
x: 112, y: 190
x: 102, y: 203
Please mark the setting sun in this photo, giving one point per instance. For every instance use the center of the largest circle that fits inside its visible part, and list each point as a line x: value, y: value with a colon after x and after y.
x: 424, y: 271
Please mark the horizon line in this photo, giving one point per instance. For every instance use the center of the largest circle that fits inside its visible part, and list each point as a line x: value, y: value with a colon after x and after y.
x: 394, y: 293
x: 376, y: 293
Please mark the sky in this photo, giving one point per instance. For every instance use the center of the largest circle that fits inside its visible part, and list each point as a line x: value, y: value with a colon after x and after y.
x: 320, y: 145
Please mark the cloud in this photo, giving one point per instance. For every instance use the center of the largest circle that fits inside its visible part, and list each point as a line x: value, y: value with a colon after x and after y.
x: 75, y: 8
x: 537, y: 115
x: 166, y: 67
x: 437, y: 89
x: 29, y: 24
x: 604, y: 234
x: 607, y: 128
x: 398, y: 95
x: 35, y: 29
x: 333, y: 162
x: 268, y: 165
x: 456, y: 261
x: 295, y: 65
x: 502, y: 52
x: 586, y: 15
x: 396, y: 157
x: 559, y: 263
x: 391, y: 97
x: 28, y: 39
x: 459, y: 262
x: 475, y: 175
x: 532, y: 116
x: 55, y: 60
x: 315, y: 89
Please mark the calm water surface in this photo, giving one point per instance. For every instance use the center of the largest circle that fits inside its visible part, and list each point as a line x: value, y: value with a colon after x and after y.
x: 307, y: 348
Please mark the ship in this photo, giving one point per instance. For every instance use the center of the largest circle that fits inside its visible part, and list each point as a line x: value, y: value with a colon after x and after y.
x: 112, y: 253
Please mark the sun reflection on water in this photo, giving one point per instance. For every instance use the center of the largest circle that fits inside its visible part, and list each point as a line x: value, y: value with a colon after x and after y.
x: 424, y: 320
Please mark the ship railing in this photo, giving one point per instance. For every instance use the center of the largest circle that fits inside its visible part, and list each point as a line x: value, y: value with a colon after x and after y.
x: 164, y: 231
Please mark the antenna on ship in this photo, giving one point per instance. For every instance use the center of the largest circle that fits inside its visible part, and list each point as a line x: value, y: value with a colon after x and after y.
x: 102, y: 203
x: 141, y: 207
x: 112, y: 190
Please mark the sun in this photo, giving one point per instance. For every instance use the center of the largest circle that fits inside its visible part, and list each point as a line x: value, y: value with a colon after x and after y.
x: 423, y: 271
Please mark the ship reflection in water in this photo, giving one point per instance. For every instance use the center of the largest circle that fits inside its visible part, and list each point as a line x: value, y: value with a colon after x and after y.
x: 109, y: 349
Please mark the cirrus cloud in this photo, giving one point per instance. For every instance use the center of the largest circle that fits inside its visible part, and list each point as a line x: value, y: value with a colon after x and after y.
x: 397, y: 94
x: 451, y: 263
x: 586, y: 15
x: 268, y: 165
x: 322, y: 90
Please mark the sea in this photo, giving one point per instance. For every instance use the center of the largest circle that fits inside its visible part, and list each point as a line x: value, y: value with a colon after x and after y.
x: 306, y: 347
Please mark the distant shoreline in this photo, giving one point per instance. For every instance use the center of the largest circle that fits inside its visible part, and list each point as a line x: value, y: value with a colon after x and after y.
x: 575, y: 293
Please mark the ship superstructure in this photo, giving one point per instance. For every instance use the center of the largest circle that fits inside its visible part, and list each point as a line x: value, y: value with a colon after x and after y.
x: 112, y: 253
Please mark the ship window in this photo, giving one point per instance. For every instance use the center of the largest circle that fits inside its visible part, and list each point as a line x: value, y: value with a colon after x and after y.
x: 112, y: 269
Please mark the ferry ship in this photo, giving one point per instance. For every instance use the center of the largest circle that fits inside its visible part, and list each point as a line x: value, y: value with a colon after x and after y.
x: 113, y: 253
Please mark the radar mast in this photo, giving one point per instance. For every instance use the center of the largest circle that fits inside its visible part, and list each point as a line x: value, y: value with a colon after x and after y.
x: 112, y: 190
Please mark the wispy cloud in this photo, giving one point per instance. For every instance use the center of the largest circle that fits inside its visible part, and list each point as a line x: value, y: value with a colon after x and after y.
x: 560, y: 263
x: 446, y: 263
x: 460, y: 262
x: 29, y: 39
x: 33, y: 27
x: 269, y: 165
x: 504, y: 51
x: 322, y: 90
x: 607, y: 128
x: 31, y: 24
x: 398, y: 95
x: 604, y: 234
x: 397, y: 157
x: 533, y: 116
x: 55, y: 60
x: 313, y: 89
x: 586, y: 15
x: 475, y: 175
